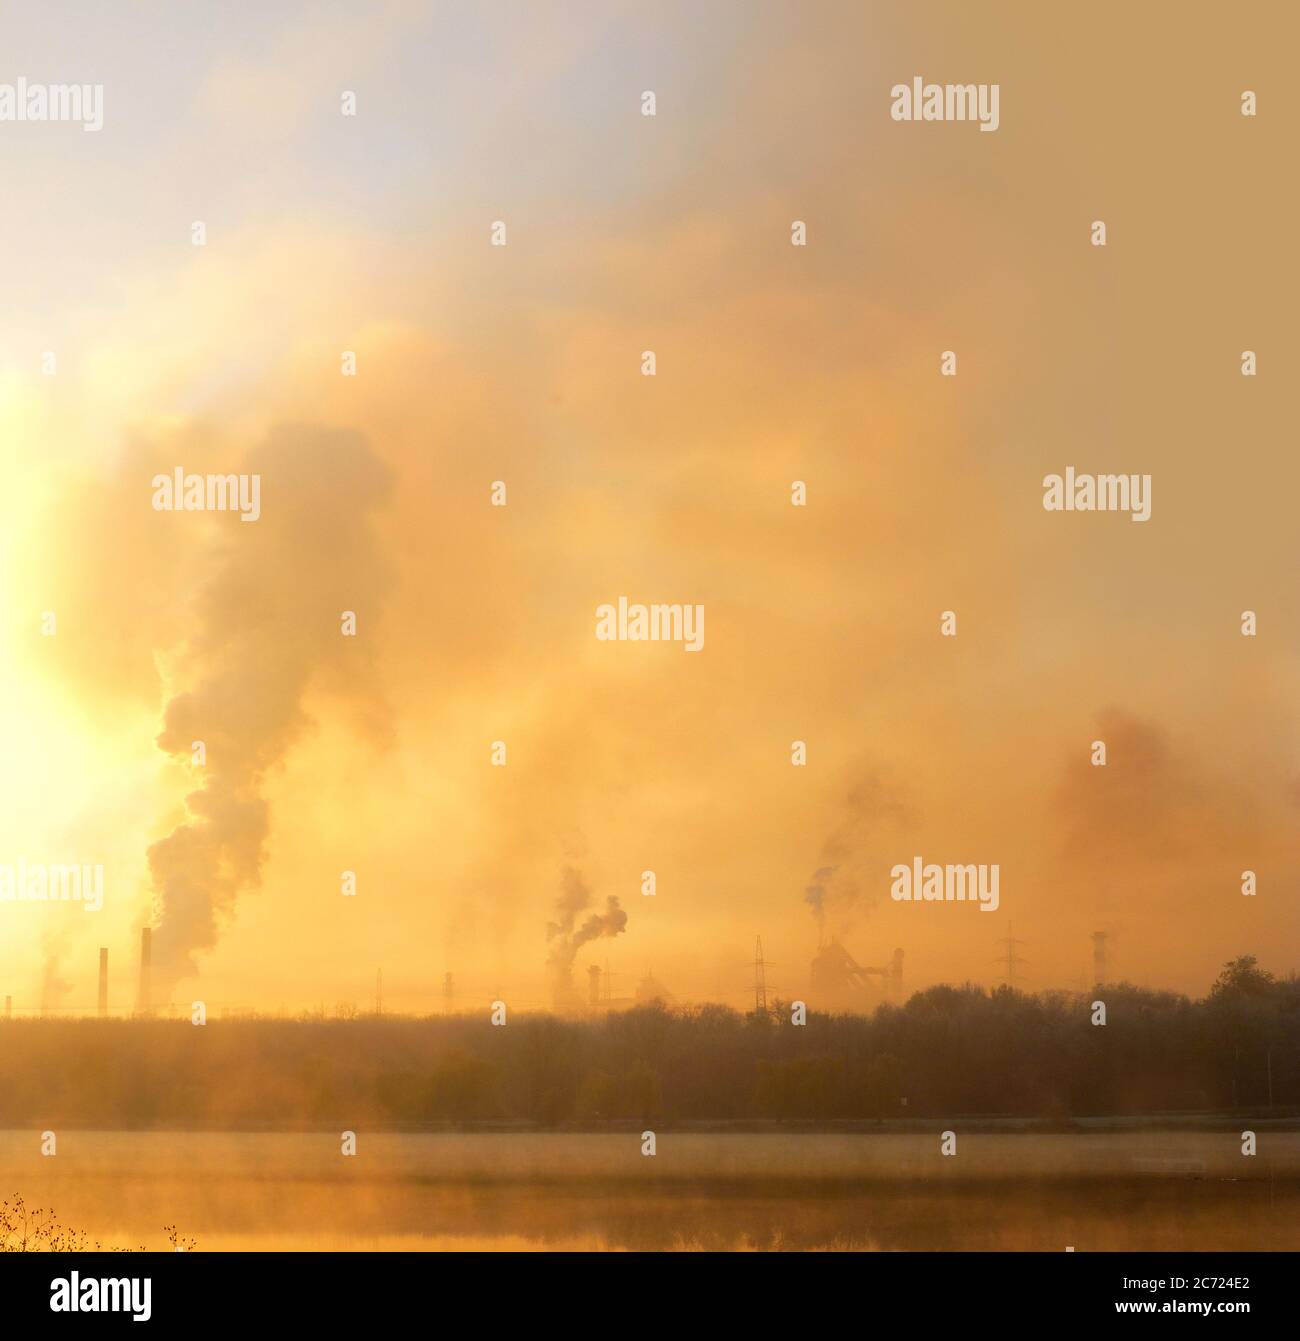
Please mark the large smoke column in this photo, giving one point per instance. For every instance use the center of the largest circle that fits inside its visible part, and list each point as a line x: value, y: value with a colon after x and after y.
x: 567, y: 937
x: 267, y: 626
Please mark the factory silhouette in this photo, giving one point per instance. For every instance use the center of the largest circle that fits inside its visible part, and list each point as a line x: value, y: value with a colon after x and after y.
x: 836, y: 984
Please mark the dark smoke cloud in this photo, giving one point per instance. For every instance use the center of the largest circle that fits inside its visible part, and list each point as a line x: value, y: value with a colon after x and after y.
x: 609, y: 923
x: 815, y: 894
x: 267, y: 626
x: 1148, y: 802
x: 850, y: 875
x: 574, y: 897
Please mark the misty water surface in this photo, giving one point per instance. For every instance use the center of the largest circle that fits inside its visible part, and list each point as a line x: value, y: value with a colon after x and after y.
x: 1133, y: 1190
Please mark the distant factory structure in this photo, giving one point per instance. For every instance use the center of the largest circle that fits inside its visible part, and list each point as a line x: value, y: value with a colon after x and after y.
x: 600, y: 997
x: 650, y: 990
x: 144, y: 996
x: 839, y: 983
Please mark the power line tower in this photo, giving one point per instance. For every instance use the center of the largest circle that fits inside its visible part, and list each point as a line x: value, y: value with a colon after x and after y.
x: 760, y: 979
x: 1011, y: 962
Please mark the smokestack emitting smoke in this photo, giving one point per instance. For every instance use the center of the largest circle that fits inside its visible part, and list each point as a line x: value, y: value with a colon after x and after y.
x: 103, y: 981
x: 268, y: 622
x: 146, y: 969
x: 565, y: 940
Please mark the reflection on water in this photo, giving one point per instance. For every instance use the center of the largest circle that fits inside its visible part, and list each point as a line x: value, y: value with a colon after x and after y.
x: 1136, y: 1190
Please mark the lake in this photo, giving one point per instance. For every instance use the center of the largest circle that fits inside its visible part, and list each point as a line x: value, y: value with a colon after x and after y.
x: 1140, y: 1189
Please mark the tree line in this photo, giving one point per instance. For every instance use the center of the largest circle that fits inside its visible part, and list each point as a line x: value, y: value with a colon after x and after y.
x: 948, y: 1051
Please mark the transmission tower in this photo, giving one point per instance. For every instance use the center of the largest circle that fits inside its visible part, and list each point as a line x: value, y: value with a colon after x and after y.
x: 1011, y: 962
x: 760, y: 979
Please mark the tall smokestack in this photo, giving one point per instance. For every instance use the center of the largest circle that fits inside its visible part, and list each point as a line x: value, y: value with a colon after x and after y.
x: 146, y: 963
x: 593, y: 985
x: 103, y: 981
x: 9, y: 1008
x: 1098, y: 957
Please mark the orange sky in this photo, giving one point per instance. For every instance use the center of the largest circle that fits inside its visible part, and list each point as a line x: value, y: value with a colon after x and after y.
x: 775, y: 364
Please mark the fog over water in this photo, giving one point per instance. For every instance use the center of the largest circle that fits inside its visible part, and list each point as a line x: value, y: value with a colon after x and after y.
x: 1147, y: 1190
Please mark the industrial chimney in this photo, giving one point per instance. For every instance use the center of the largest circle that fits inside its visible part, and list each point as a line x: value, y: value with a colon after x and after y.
x: 593, y: 985
x: 1098, y: 957
x: 146, y: 959
x: 103, y: 981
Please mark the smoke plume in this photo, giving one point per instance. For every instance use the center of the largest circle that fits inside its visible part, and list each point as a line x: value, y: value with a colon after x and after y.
x: 815, y: 894
x: 267, y: 626
x: 567, y: 937
x: 846, y: 879
x: 54, y: 986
